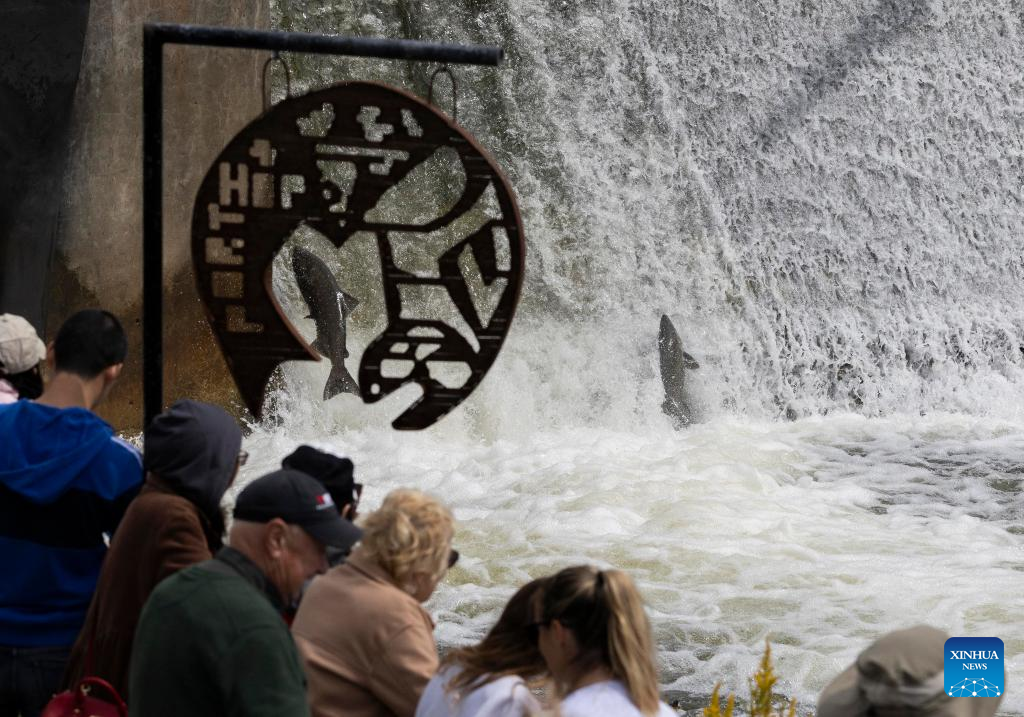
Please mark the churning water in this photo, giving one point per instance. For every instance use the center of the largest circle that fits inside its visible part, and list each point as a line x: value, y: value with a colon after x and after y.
x: 817, y: 535
x: 826, y: 197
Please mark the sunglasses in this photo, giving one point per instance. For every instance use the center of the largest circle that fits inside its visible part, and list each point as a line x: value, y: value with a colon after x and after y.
x: 453, y: 557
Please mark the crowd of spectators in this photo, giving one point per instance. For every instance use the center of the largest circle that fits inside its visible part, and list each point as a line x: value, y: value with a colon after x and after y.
x: 117, y: 568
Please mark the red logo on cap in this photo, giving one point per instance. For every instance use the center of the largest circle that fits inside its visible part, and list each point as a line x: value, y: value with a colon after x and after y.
x: 324, y: 501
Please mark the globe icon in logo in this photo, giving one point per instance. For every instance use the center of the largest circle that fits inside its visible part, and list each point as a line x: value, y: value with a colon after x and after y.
x: 974, y: 687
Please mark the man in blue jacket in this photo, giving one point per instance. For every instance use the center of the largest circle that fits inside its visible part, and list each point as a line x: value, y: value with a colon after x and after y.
x: 65, y: 482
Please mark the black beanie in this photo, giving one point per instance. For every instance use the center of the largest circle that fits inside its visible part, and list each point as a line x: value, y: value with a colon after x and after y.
x: 335, y: 473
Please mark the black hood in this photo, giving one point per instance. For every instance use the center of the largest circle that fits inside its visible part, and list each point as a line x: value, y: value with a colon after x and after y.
x: 193, y: 448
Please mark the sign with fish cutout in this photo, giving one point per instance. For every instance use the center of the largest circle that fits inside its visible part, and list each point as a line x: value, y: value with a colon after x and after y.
x: 338, y: 161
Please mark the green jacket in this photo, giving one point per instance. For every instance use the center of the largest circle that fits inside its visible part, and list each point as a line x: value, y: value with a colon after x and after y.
x: 211, y: 642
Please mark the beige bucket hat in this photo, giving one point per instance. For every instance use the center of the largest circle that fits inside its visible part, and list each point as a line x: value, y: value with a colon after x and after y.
x: 20, y: 346
x: 900, y: 675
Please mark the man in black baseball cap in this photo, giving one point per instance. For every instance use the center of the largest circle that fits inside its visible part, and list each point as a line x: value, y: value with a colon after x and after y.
x: 207, y: 626
x: 298, y: 499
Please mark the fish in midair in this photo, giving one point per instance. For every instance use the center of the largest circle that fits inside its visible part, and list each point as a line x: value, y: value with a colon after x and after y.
x: 674, y: 364
x: 329, y: 307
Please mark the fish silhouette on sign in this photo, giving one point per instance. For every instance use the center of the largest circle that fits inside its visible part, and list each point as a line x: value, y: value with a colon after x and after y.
x: 353, y: 160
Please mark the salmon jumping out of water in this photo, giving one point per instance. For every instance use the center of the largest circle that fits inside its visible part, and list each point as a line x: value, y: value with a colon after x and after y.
x: 674, y: 364
x: 329, y: 307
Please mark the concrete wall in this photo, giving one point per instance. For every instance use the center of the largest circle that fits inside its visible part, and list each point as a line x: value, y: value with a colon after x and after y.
x: 40, y: 54
x: 209, y: 94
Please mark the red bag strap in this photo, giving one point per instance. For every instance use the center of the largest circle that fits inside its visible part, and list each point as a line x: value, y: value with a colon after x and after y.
x: 99, y: 688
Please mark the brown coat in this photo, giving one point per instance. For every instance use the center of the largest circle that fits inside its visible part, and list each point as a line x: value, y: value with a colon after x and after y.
x: 160, y: 534
x: 367, y: 646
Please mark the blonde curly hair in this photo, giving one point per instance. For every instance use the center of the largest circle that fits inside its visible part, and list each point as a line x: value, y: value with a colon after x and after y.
x: 410, y: 533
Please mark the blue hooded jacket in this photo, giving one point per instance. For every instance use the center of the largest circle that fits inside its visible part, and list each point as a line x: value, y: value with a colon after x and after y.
x: 65, y: 481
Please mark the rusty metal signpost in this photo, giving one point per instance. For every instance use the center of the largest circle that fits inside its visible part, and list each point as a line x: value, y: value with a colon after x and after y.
x: 270, y: 178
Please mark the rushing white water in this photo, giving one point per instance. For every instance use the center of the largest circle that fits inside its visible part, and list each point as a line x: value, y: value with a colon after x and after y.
x: 818, y: 535
x: 826, y: 197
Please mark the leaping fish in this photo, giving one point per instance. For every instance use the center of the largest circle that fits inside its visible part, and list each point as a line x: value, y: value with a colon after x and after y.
x: 329, y: 307
x: 674, y: 364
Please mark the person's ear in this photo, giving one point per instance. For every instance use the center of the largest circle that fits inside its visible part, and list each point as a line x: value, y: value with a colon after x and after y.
x: 51, y: 359
x: 275, y: 538
x: 112, y: 373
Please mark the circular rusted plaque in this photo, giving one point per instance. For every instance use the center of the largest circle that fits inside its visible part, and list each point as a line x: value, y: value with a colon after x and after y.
x: 331, y: 160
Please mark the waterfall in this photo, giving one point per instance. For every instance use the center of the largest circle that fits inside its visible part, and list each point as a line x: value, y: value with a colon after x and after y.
x: 825, y: 197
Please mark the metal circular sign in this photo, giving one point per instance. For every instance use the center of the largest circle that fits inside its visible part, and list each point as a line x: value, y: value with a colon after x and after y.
x: 342, y: 161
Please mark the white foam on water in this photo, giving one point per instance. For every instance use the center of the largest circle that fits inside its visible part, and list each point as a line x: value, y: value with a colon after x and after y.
x: 817, y: 535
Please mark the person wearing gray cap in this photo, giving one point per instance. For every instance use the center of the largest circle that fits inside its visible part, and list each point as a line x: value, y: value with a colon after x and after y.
x: 211, y: 639
x: 899, y: 674
x: 192, y: 452
x: 21, y: 355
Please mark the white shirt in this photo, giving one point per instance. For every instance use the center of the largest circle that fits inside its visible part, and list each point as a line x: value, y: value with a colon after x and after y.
x: 605, y: 699
x: 504, y: 697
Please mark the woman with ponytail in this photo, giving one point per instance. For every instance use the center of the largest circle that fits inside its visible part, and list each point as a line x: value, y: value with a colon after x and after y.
x: 491, y: 678
x: 596, y: 640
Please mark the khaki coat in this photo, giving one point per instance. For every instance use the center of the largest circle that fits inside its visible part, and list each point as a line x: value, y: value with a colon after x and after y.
x: 367, y: 646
